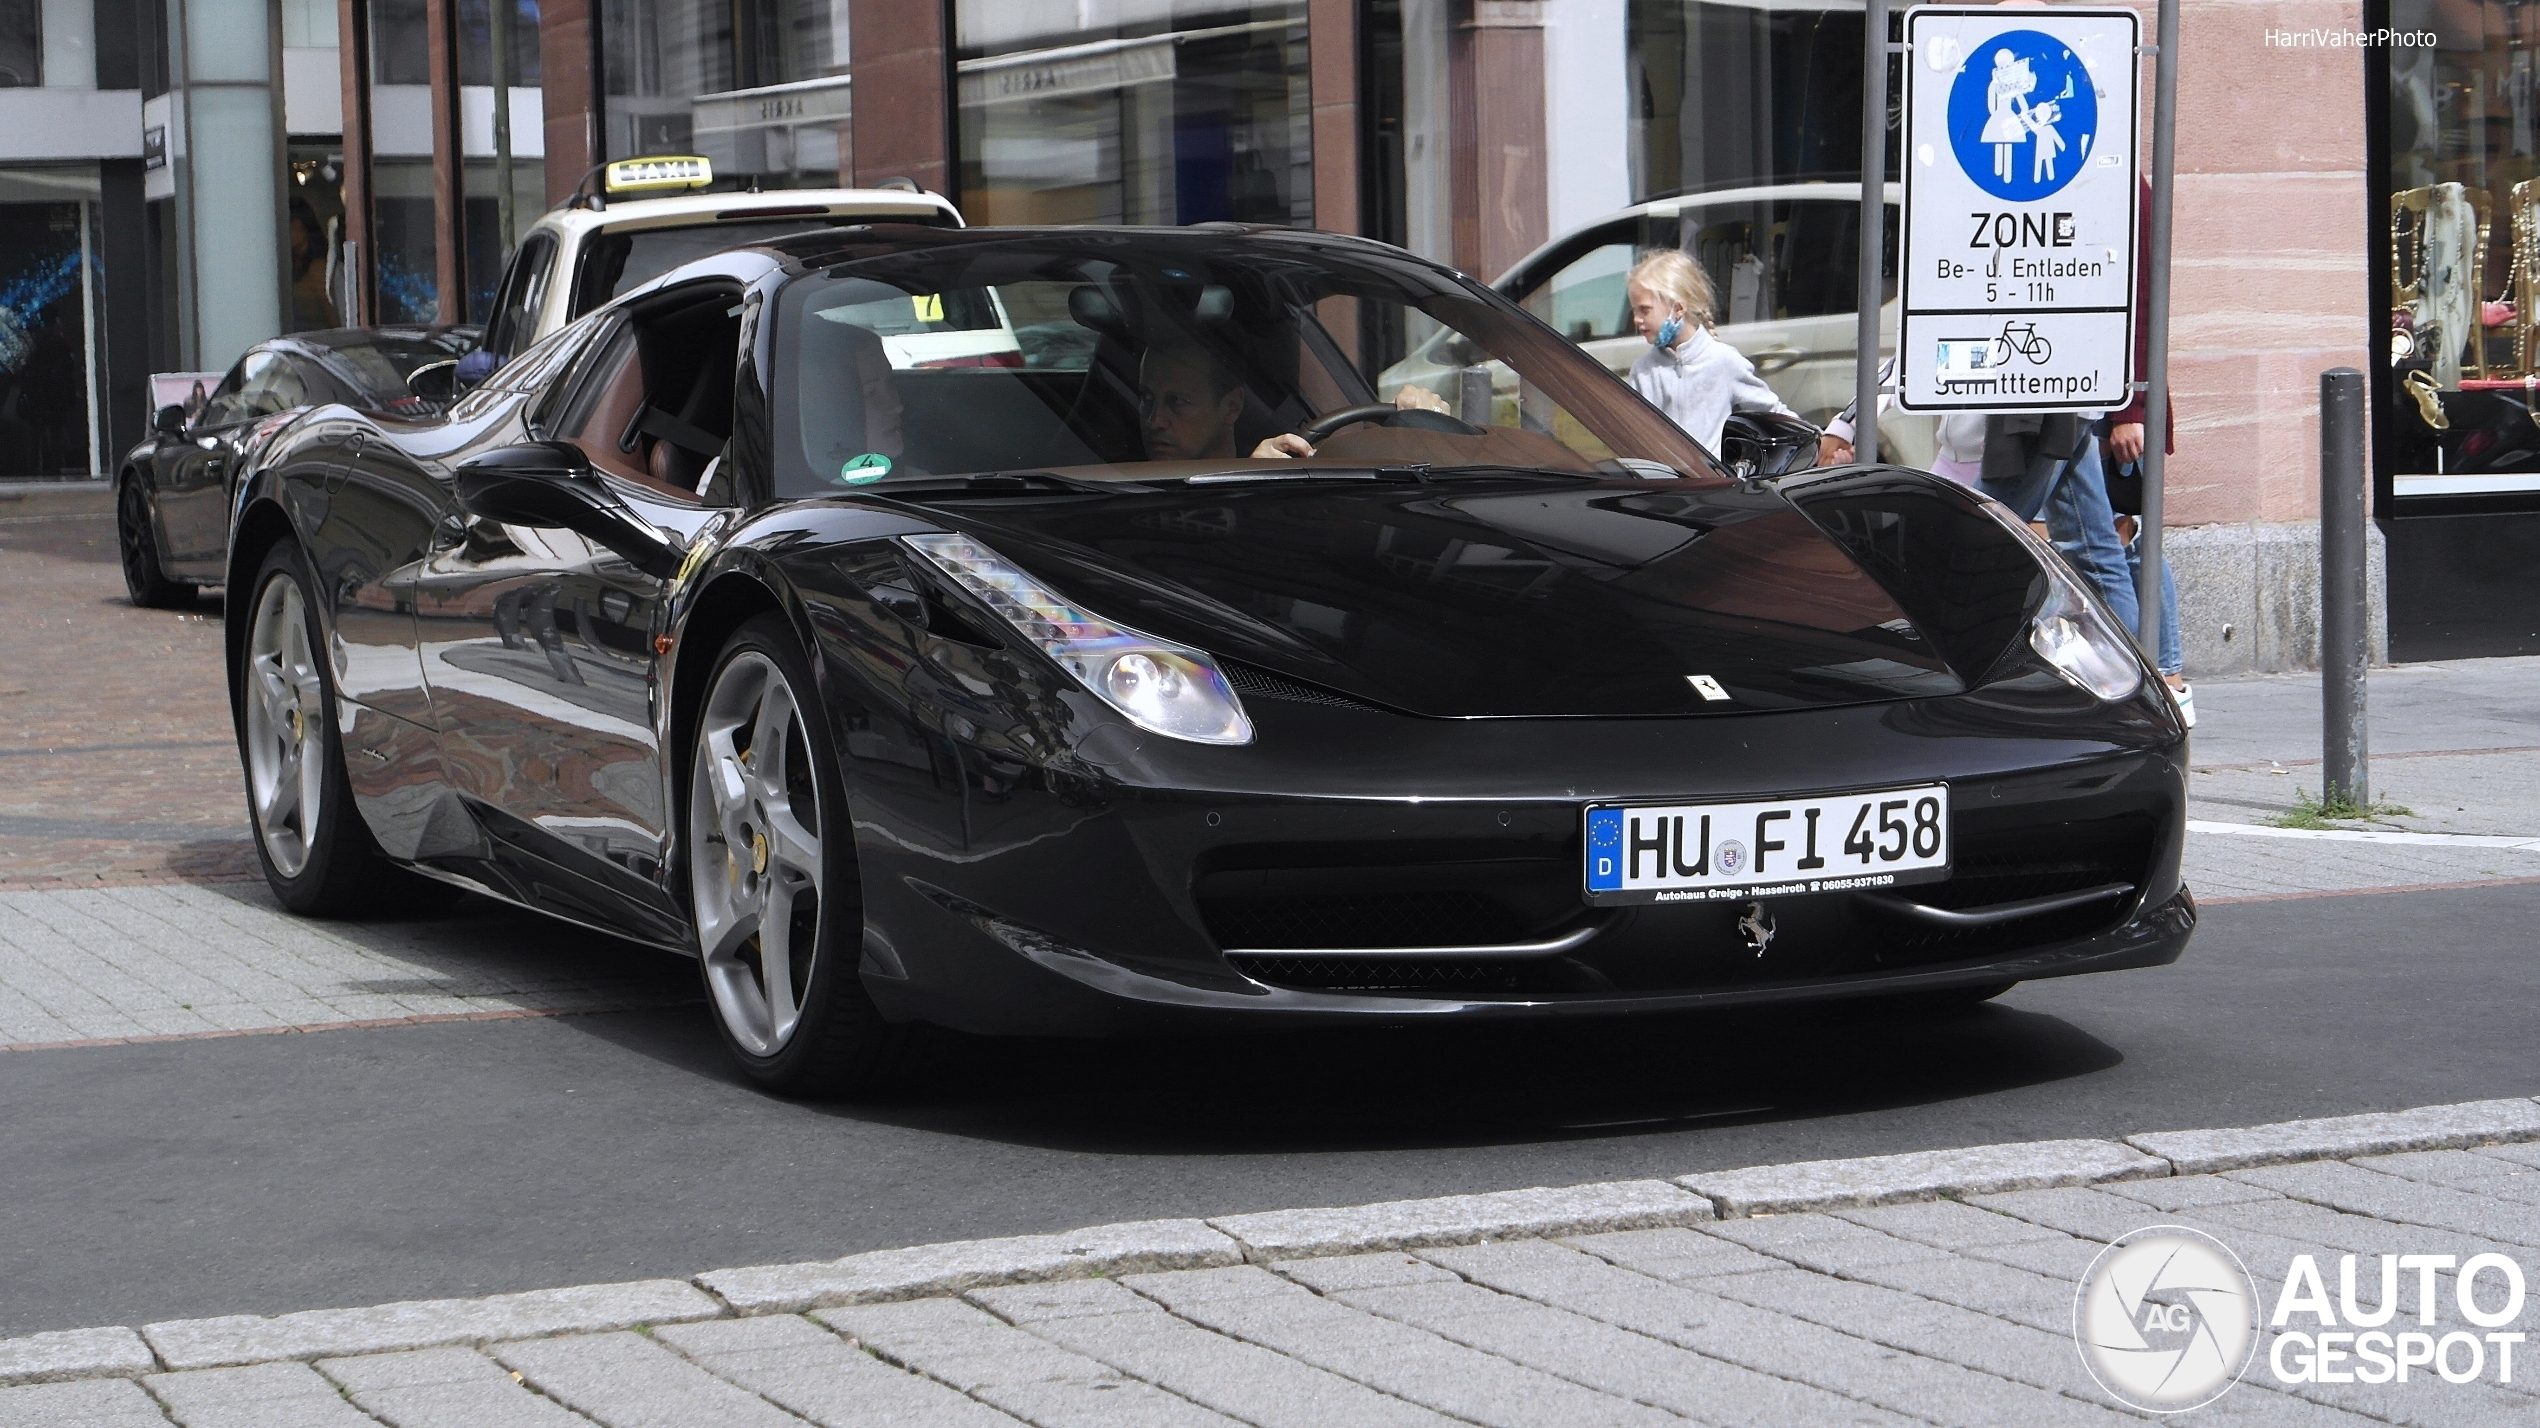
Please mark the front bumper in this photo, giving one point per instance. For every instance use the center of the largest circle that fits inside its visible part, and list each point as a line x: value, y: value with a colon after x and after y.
x: 1107, y: 897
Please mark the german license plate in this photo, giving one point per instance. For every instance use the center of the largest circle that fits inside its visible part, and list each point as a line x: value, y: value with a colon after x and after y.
x: 1703, y: 852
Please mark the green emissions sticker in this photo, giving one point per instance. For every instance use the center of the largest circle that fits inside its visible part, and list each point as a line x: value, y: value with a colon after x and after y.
x: 864, y: 470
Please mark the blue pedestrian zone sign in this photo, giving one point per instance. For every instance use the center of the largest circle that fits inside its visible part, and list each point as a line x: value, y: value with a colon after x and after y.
x: 2016, y: 269
x: 2022, y: 114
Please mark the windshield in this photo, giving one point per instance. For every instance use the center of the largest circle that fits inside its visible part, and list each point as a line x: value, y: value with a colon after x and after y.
x: 1150, y: 356
x: 619, y: 262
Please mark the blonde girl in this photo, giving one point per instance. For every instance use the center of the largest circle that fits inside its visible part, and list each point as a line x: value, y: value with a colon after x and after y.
x: 1695, y: 378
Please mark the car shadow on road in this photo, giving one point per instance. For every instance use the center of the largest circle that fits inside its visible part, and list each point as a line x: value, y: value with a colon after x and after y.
x: 1428, y: 1086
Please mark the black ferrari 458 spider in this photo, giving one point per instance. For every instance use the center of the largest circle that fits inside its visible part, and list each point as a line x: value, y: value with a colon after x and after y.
x: 815, y: 611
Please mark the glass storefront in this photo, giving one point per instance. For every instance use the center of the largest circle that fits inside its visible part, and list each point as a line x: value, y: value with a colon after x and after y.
x: 406, y: 247
x: 49, y: 322
x: 1134, y: 111
x: 2461, y: 180
x: 761, y: 89
x: 1732, y: 95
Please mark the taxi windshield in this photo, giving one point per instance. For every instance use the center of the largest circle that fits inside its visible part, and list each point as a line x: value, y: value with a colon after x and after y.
x: 1154, y: 356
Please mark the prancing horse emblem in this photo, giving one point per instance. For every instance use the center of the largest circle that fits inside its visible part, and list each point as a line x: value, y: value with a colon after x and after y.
x: 1706, y: 686
x: 1757, y: 927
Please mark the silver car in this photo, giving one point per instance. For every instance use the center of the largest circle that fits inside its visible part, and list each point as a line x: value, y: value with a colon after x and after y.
x: 1782, y: 259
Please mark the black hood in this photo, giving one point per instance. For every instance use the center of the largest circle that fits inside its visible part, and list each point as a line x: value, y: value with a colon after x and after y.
x: 1481, y: 597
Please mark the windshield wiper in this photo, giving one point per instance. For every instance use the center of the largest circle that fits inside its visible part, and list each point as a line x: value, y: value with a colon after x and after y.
x: 1314, y: 473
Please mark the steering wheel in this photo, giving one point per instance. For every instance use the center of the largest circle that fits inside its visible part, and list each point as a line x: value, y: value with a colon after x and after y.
x: 1319, y: 430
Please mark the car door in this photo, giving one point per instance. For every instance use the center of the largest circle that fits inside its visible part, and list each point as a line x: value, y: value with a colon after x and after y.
x: 195, y: 475
x: 537, y: 644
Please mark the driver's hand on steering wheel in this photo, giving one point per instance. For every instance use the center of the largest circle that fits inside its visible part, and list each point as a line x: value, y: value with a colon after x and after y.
x: 1286, y: 444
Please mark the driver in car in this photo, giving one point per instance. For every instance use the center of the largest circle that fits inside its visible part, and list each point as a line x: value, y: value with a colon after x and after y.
x: 1190, y: 403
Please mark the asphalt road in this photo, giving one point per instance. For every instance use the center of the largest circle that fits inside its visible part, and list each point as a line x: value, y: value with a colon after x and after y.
x: 271, y: 1173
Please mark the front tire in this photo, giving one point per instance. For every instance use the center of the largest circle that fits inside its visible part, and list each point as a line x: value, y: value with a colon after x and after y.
x: 772, y: 877
x: 318, y: 855
x: 143, y: 577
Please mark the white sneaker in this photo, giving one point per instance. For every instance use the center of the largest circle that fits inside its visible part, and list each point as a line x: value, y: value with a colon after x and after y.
x: 2185, y: 697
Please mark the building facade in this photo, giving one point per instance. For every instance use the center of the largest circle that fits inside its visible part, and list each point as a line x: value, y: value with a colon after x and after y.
x: 372, y: 161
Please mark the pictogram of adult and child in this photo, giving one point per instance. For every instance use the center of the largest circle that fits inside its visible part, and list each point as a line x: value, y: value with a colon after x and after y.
x: 2033, y: 95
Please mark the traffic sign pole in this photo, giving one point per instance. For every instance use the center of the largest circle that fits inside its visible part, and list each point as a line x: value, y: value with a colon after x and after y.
x: 1865, y: 367
x: 2156, y: 375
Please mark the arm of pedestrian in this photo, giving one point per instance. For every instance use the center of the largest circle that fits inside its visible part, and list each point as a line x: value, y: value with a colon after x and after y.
x: 1418, y: 399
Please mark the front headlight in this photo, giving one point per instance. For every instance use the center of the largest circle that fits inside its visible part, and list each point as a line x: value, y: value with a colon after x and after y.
x: 2070, y: 630
x: 1161, y: 687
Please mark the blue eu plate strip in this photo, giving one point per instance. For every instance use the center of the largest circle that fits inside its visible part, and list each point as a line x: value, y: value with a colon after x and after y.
x: 1605, y: 850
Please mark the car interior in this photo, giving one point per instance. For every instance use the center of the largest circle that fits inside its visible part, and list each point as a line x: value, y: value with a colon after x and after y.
x: 1044, y: 373
x: 653, y: 403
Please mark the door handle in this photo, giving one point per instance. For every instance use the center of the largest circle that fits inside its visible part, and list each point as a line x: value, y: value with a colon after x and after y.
x: 1776, y: 358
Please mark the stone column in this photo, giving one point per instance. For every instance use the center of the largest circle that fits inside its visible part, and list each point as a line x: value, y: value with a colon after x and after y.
x: 449, y: 162
x: 226, y: 63
x: 1496, y: 101
x: 352, y: 29
x: 569, y: 59
x: 1332, y: 46
x: 902, y: 127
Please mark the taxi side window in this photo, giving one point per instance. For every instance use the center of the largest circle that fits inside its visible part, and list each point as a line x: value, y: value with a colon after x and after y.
x: 515, y: 321
x: 1583, y: 298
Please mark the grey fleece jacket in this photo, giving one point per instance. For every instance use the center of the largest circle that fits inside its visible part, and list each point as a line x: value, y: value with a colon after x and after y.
x: 1699, y: 382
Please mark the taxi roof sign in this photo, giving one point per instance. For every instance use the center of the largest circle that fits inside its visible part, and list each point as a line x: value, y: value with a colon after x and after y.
x: 659, y: 171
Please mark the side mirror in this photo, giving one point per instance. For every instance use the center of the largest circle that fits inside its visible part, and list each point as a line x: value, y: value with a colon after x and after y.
x: 168, y: 421
x: 435, y: 381
x: 550, y: 485
x: 1758, y: 446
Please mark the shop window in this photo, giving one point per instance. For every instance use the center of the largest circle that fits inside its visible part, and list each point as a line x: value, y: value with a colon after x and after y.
x: 49, y: 353
x: 1196, y: 113
x: 21, y: 43
x: 759, y: 88
x: 2463, y: 196
x: 1728, y: 94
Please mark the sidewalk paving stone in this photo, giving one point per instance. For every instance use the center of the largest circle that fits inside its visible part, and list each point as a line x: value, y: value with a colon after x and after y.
x: 1457, y: 1219
x: 624, y: 1380
x: 1720, y: 1327
x: 95, y: 1403
x: 805, y: 1369
x: 1613, y: 1361
x: 279, y: 1395
x: 1111, y: 1323
x: 1257, y: 1306
x: 970, y: 1349
x: 931, y: 1270
x: 2356, y: 1191
x: 1919, y: 1175
x: 445, y: 1388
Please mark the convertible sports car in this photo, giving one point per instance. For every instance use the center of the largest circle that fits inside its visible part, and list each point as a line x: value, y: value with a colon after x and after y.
x: 175, y: 492
x: 1180, y: 677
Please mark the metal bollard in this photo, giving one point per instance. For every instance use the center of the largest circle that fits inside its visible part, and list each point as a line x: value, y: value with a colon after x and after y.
x: 2344, y: 647
x: 1473, y: 396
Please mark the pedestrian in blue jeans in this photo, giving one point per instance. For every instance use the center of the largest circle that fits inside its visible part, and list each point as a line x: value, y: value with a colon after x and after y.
x: 2046, y: 469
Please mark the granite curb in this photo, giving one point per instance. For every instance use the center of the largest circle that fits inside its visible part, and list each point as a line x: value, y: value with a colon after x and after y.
x: 925, y: 1271
x: 2450, y: 1127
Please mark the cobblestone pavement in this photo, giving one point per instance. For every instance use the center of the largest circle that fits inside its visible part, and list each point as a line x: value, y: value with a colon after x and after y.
x: 80, y: 966
x: 116, y: 759
x: 1944, y: 1311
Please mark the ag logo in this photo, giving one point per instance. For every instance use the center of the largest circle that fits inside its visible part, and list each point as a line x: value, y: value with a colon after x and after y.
x: 2166, y: 1319
x: 2022, y: 113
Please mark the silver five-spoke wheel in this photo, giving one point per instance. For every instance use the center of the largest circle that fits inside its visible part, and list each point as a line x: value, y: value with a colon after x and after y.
x: 754, y: 862
x: 286, y: 700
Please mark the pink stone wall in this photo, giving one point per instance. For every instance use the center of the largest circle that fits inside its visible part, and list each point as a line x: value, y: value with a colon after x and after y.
x: 2269, y: 250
